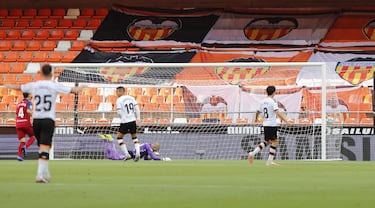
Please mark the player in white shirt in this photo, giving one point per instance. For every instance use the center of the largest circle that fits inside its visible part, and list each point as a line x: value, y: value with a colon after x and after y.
x: 128, y: 110
x: 45, y: 92
x: 270, y: 111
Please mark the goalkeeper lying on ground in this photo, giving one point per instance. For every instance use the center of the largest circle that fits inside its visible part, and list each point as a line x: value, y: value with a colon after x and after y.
x: 148, y: 151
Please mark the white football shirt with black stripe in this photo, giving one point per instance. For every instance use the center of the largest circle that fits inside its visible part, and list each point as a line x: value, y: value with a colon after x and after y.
x: 126, y: 107
x: 267, y: 108
x: 44, y: 93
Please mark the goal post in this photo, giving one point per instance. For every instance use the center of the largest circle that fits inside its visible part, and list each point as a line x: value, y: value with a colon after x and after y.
x: 196, y: 110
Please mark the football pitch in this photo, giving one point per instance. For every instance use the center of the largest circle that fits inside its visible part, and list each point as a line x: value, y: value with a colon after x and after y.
x: 188, y: 183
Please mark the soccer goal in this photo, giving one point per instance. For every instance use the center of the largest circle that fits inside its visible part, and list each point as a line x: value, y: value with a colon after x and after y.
x: 198, y: 110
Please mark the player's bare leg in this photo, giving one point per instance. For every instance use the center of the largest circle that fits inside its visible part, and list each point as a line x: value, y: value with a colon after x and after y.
x: 255, y: 151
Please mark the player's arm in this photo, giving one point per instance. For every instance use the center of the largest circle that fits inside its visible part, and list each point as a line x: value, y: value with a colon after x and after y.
x: 13, y: 86
x: 78, y: 89
x: 281, y: 116
x: 257, y: 115
x: 137, y: 112
x: 29, y: 108
x: 151, y: 153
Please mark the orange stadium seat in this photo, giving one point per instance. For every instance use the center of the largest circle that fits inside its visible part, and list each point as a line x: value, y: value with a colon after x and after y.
x: 64, y: 23
x: 12, y: 107
x: 96, y: 99
x: 103, y: 121
x: 29, y: 13
x: 367, y: 122
x: 61, y: 106
x: 26, y: 56
x: 242, y: 121
x: 27, y: 35
x: 42, y: 34
x: 11, y: 56
x: 179, y: 107
x: 58, y: 13
x: 6, y: 45
x: 4, y: 68
x: 10, y: 121
x: 40, y: 56
x: 24, y: 78
x: 226, y: 121
x: 18, y: 68
x: 34, y: 45
x: 13, y: 34
x: 93, y: 23
x: 69, y: 56
x: 77, y: 45
x: 87, y: 121
x: 165, y: 107
x: 79, y: 23
x: 3, y: 106
x: 3, y: 90
x: 7, y: 23
x: 164, y: 121
x: 71, y: 35
x: 150, y: 107
x: 55, y: 56
x: 151, y: 91
x: 15, y: 13
x: 158, y: 99
x: 48, y: 45
x: 3, y: 34
x: 44, y: 13
x: 50, y: 23
x: 87, y: 12
x: 56, y: 34
x: 21, y: 24
x: 4, y: 13
x: 351, y: 121
x: 59, y: 121
x: 36, y: 24
x: 148, y: 121
x: 101, y: 12
x: 8, y: 99
x: 19, y: 45
x: 195, y: 120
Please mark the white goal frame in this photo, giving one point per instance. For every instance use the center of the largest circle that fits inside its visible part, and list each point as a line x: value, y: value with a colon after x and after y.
x: 320, y: 65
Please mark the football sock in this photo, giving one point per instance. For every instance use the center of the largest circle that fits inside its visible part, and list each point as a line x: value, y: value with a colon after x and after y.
x: 272, y: 153
x: 123, y: 147
x: 43, y: 165
x: 258, y: 148
x: 20, y: 146
x: 30, y: 142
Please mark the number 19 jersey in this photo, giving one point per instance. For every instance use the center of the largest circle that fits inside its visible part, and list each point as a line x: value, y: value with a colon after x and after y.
x: 45, y: 92
x: 126, y: 107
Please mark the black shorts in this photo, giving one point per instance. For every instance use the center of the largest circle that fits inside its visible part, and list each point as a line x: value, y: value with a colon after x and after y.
x: 44, y: 130
x: 130, y: 127
x: 270, y: 132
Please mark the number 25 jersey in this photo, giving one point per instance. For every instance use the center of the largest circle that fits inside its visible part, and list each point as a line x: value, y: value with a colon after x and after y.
x: 45, y: 92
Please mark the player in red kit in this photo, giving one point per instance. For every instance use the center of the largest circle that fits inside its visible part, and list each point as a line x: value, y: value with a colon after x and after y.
x: 23, y: 125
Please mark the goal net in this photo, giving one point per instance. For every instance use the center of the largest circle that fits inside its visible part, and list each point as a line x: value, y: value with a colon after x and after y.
x: 198, y: 110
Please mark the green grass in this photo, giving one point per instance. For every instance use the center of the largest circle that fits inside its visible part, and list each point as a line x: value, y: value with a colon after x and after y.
x: 198, y: 183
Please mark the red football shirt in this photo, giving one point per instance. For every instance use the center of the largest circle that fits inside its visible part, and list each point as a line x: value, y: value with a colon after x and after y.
x: 22, y: 117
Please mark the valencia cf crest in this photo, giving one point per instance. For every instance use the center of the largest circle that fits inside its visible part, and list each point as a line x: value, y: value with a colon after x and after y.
x: 356, y: 70
x: 369, y: 30
x: 118, y: 74
x: 152, y: 29
x: 272, y: 28
x: 236, y: 75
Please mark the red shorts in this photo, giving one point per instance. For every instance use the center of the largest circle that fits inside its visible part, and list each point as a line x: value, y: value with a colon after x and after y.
x: 23, y: 131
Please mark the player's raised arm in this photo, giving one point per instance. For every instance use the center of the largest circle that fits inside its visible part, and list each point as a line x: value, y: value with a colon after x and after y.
x: 13, y: 86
